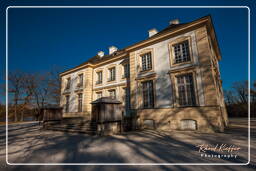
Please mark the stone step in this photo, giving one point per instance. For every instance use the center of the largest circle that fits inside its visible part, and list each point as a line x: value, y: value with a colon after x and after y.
x: 79, y: 125
x: 75, y: 128
x: 68, y: 126
x: 90, y: 132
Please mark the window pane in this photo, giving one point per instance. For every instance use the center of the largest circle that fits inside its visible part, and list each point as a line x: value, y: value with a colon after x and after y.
x: 148, y: 94
x: 67, y: 104
x: 181, y: 52
x: 146, y: 61
x: 186, y: 90
x: 80, y: 102
x: 112, y: 74
x: 99, y: 80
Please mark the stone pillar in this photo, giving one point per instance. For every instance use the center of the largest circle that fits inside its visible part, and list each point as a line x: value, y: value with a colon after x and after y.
x: 132, y: 80
x: 87, y: 93
x: 204, y: 54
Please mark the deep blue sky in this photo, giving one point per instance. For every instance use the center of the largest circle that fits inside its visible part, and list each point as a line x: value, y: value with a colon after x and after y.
x: 40, y: 39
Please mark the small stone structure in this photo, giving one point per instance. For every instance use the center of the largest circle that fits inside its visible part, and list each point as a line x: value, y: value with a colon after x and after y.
x: 51, y: 113
x: 107, y: 114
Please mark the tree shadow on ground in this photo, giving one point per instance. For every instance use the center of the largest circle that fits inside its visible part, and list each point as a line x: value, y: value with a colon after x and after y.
x: 146, y: 146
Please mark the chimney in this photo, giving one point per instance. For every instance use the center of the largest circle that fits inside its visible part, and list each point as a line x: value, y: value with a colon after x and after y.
x: 152, y: 32
x: 101, y: 54
x: 112, y: 49
x: 176, y: 21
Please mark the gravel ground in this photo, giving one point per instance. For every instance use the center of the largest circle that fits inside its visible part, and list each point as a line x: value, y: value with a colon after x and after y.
x: 28, y: 143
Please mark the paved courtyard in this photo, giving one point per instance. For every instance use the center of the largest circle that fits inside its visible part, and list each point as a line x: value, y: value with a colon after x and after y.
x: 29, y: 143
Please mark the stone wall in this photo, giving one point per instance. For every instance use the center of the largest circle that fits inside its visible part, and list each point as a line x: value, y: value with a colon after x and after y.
x: 208, y: 118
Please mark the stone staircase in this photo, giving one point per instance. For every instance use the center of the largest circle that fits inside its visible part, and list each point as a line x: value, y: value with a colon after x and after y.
x: 74, y: 125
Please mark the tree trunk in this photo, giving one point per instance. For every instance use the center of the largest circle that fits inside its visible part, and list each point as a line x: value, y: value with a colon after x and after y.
x: 15, y: 113
x: 22, y: 115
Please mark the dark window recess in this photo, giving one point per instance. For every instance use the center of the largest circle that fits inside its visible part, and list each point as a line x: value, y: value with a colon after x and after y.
x: 126, y: 71
x: 68, y: 83
x: 80, y: 84
x: 67, y: 104
x: 99, y: 74
x: 148, y: 94
x: 112, y: 74
x: 80, y: 102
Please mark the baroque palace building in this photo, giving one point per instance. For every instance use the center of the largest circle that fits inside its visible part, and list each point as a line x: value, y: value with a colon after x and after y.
x: 171, y: 80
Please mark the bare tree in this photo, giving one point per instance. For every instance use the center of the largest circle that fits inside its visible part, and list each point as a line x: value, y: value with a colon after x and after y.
x: 28, y: 87
x: 241, y: 88
x: 54, y: 86
x: 229, y: 96
x: 253, y: 92
x: 15, y: 87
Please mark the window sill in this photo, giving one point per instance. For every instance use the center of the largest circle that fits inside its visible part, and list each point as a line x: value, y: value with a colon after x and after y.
x: 111, y: 81
x: 145, y: 71
x: 178, y: 106
x: 182, y: 63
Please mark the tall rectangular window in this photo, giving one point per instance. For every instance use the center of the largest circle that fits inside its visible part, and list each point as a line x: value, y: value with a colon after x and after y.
x: 81, y: 78
x: 126, y: 71
x: 146, y: 61
x: 148, y: 94
x: 112, y: 93
x: 68, y: 83
x: 67, y: 104
x: 112, y: 74
x: 186, y: 93
x: 181, y: 52
x: 99, y: 75
x: 80, y: 102
x: 127, y: 98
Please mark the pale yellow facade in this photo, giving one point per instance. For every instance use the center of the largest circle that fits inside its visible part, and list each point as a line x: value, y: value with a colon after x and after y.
x: 208, y: 113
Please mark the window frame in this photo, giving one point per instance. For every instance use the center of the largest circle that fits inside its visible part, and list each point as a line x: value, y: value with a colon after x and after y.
x: 80, y: 99
x: 126, y: 97
x: 125, y: 70
x: 67, y: 102
x: 110, y: 74
x: 145, y: 60
x: 139, y: 60
x: 153, y: 100
x: 172, y: 53
x: 175, y: 87
x: 80, y: 82
x: 185, y: 84
x: 99, y: 81
x: 68, y: 83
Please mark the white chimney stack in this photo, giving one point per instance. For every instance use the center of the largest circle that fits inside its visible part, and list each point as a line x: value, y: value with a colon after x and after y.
x: 152, y: 32
x: 100, y: 53
x: 176, y: 21
x: 112, y: 49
